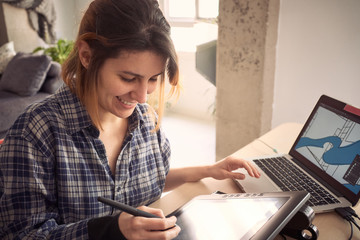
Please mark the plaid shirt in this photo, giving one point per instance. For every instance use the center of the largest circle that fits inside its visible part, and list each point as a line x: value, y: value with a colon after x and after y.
x: 53, y: 166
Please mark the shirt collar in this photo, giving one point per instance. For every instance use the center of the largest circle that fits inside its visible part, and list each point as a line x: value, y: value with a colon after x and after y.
x: 137, y: 118
x: 75, y: 114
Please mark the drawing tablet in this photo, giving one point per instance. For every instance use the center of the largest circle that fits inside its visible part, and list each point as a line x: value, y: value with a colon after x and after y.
x: 238, y: 216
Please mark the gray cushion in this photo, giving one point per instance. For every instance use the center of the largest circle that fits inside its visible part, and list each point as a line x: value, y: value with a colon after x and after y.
x: 25, y: 74
x: 53, y: 79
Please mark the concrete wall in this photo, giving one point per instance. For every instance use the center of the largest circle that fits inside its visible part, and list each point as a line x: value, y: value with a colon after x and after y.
x: 245, y: 72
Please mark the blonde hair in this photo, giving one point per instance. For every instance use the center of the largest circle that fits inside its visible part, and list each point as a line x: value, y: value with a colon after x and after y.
x: 110, y: 27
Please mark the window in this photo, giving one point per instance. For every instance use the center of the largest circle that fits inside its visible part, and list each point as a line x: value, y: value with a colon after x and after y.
x: 187, y: 11
x: 181, y: 9
x: 208, y: 9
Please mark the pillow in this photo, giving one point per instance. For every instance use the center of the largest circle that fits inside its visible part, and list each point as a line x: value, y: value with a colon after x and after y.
x: 7, y: 52
x: 25, y: 74
x: 53, y: 79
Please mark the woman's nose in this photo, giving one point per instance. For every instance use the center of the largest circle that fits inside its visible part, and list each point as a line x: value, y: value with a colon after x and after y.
x: 140, y: 93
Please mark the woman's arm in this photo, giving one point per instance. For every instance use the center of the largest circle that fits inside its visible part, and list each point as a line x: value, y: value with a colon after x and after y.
x: 28, y: 195
x: 220, y: 170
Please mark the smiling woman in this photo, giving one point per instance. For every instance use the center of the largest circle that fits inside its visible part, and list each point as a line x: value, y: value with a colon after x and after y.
x: 97, y: 136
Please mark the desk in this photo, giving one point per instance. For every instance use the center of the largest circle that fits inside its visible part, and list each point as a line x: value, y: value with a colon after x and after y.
x: 330, y: 225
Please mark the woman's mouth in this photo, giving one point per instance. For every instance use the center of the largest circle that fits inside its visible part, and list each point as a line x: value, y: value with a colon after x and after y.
x: 128, y: 104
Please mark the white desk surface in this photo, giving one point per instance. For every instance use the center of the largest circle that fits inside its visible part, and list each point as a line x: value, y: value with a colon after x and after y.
x: 330, y: 225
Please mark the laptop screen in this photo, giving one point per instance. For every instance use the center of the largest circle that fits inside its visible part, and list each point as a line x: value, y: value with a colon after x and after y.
x: 331, y: 141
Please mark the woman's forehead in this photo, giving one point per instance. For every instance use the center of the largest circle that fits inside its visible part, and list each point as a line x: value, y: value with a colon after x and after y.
x: 140, y: 62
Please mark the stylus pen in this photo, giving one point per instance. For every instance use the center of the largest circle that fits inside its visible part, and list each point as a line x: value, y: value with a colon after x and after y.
x: 126, y: 208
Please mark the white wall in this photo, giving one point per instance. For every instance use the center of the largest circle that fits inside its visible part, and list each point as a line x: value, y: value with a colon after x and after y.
x: 197, y: 98
x: 69, y: 14
x: 65, y: 19
x: 318, y: 52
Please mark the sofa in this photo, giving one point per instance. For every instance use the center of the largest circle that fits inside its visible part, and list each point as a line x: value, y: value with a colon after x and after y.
x: 25, y: 79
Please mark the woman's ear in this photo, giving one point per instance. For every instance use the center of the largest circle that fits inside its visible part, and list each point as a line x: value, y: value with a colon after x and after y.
x: 84, y: 53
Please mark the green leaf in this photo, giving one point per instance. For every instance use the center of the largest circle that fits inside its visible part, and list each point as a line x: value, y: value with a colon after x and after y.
x: 58, y: 52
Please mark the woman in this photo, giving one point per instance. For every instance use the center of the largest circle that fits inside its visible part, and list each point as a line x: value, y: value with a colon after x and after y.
x: 97, y: 136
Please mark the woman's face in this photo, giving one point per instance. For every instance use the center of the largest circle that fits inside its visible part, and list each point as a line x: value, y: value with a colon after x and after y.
x: 126, y: 80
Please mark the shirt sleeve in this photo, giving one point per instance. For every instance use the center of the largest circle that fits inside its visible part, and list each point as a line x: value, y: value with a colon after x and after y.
x: 105, y: 228
x: 28, y: 202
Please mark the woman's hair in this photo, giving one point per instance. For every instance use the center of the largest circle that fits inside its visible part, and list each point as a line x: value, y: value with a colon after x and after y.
x: 110, y: 27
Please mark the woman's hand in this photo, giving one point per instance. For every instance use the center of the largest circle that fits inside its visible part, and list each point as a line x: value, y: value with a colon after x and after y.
x: 219, y: 170
x: 224, y: 168
x: 148, y: 228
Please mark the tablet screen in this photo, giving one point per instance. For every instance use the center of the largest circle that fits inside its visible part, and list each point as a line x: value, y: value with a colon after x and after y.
x: 229, y: 218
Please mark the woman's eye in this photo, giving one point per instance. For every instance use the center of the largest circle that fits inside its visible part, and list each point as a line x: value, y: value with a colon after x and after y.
x: 127, y: 79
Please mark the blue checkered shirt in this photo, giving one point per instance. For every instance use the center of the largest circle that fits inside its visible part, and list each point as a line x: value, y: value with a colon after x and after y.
x: 53, y: 166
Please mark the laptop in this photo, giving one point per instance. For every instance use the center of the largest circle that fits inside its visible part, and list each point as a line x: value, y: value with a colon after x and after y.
x: 325, y: 159
x: 238, y: 216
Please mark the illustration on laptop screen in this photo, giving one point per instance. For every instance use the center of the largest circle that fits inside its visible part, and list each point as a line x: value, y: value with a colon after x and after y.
x: 332, y: 142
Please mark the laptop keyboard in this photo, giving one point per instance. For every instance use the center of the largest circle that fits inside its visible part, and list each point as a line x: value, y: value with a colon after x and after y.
x: 291, y: 178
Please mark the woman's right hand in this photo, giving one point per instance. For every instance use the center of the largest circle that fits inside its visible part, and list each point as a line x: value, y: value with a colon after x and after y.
x: 148, y: 228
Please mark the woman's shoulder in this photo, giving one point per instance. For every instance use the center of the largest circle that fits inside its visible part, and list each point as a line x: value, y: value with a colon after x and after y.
x: 36, y: 115
x: 47, y: 108
x: 51, y: 114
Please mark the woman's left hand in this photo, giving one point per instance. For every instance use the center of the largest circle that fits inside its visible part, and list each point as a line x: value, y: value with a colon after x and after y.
x: 225, y: 167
